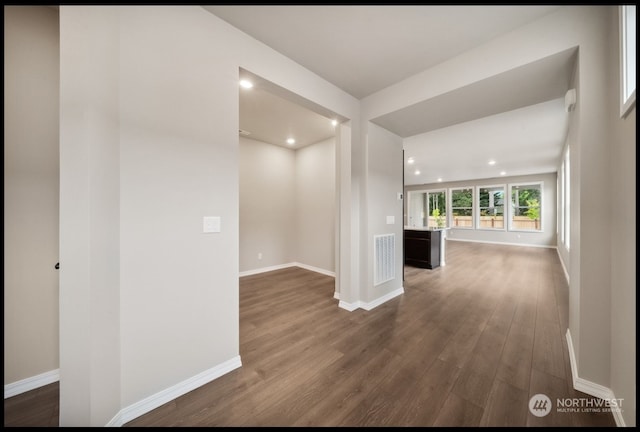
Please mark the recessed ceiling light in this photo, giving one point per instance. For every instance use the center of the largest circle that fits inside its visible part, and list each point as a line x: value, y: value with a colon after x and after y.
x: 503, y: 172
x: 246, y: 84
x: 411, y: 160
x: 492, y: 162
x: 439, y: 179
x: 417, y: 172
x: 334, y: 122
x: 291, y: 141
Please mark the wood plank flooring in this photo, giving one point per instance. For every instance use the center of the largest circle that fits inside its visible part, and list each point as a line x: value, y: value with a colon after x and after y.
x: 467, y: 344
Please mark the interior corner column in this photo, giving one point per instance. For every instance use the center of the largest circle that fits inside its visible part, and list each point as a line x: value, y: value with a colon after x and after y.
x: 89, y: 216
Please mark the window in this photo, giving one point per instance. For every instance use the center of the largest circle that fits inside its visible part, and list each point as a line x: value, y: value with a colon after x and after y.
x: 461, y: 208
x: 627, y: 58
x: 427, y: 209
x: 526, y: 207
x: 491, y: 207
x: 437, y: 208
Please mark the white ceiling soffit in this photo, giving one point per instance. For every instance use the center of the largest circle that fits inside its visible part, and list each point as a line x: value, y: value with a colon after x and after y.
x: 272, y: 114
x: 365, y: 48
x: 531, y: 84
x: 525, y: 141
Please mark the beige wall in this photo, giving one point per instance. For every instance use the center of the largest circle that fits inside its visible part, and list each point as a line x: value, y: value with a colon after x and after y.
x: 267, y: 204
x: 176, y: 125
x: 384, y: 169
x: 172, y: 109
x: 90, y: 217
x: 594, y: 181
x: 315, y: 205
x: 623, y: 240
x: 570, y: 142
x: 31, y: 189
x: 287, y: 205
x: 596, y: 290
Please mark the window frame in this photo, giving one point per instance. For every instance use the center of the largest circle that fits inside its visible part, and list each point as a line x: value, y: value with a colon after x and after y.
x: 410, y: 204
x: 504, y: 207
x: 473, y: 207
x: 566, y: 210
x: 512, y: 209
x: 560, y: 205
x: 627, y: 20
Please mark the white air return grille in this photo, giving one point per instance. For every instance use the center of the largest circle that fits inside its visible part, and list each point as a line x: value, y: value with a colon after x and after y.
x: 384, y: 251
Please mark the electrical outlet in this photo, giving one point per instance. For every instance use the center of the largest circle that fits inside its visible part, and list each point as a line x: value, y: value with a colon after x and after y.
x: 259, y: 255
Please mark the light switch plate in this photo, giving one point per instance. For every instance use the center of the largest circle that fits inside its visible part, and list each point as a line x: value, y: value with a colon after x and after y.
x: 391, y: 220
x: 211, y: 224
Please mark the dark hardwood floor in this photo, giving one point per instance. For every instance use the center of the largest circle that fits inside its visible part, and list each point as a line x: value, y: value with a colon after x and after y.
x: 466, y: 345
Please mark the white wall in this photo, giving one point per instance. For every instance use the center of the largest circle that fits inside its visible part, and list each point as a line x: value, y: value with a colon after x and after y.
x: 31, y: 192
x: 315, y: 205
x: 267, y: 204
x: 174, y: 84
x: 547, y: 237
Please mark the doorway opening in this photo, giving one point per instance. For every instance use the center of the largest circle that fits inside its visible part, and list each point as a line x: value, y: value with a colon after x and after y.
x: 288, y: 183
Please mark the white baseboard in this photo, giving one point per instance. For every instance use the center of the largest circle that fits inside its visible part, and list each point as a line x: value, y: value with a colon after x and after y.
x: 370, y: 305
x: 588, y: 387
x: 266, y: 269
x: 315, y: 269
x: 385, y: 298
x: 348, y: 306
x: 566, y: 274
x: 617, y: 417
x: 32, y: 383
x: 152, y: 402
x: 287, y: 265
x: 336, y: 295
x: 501, y: 243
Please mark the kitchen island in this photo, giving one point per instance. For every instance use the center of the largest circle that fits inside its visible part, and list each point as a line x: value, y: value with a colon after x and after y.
x: 424, y: 247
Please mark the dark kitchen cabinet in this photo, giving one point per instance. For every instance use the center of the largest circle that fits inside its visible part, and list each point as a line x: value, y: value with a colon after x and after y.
x: 422, y: 248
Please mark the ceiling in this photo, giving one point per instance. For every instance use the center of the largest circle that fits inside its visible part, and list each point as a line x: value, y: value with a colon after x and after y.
x: 363, y: 49
x: 271, y: 114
